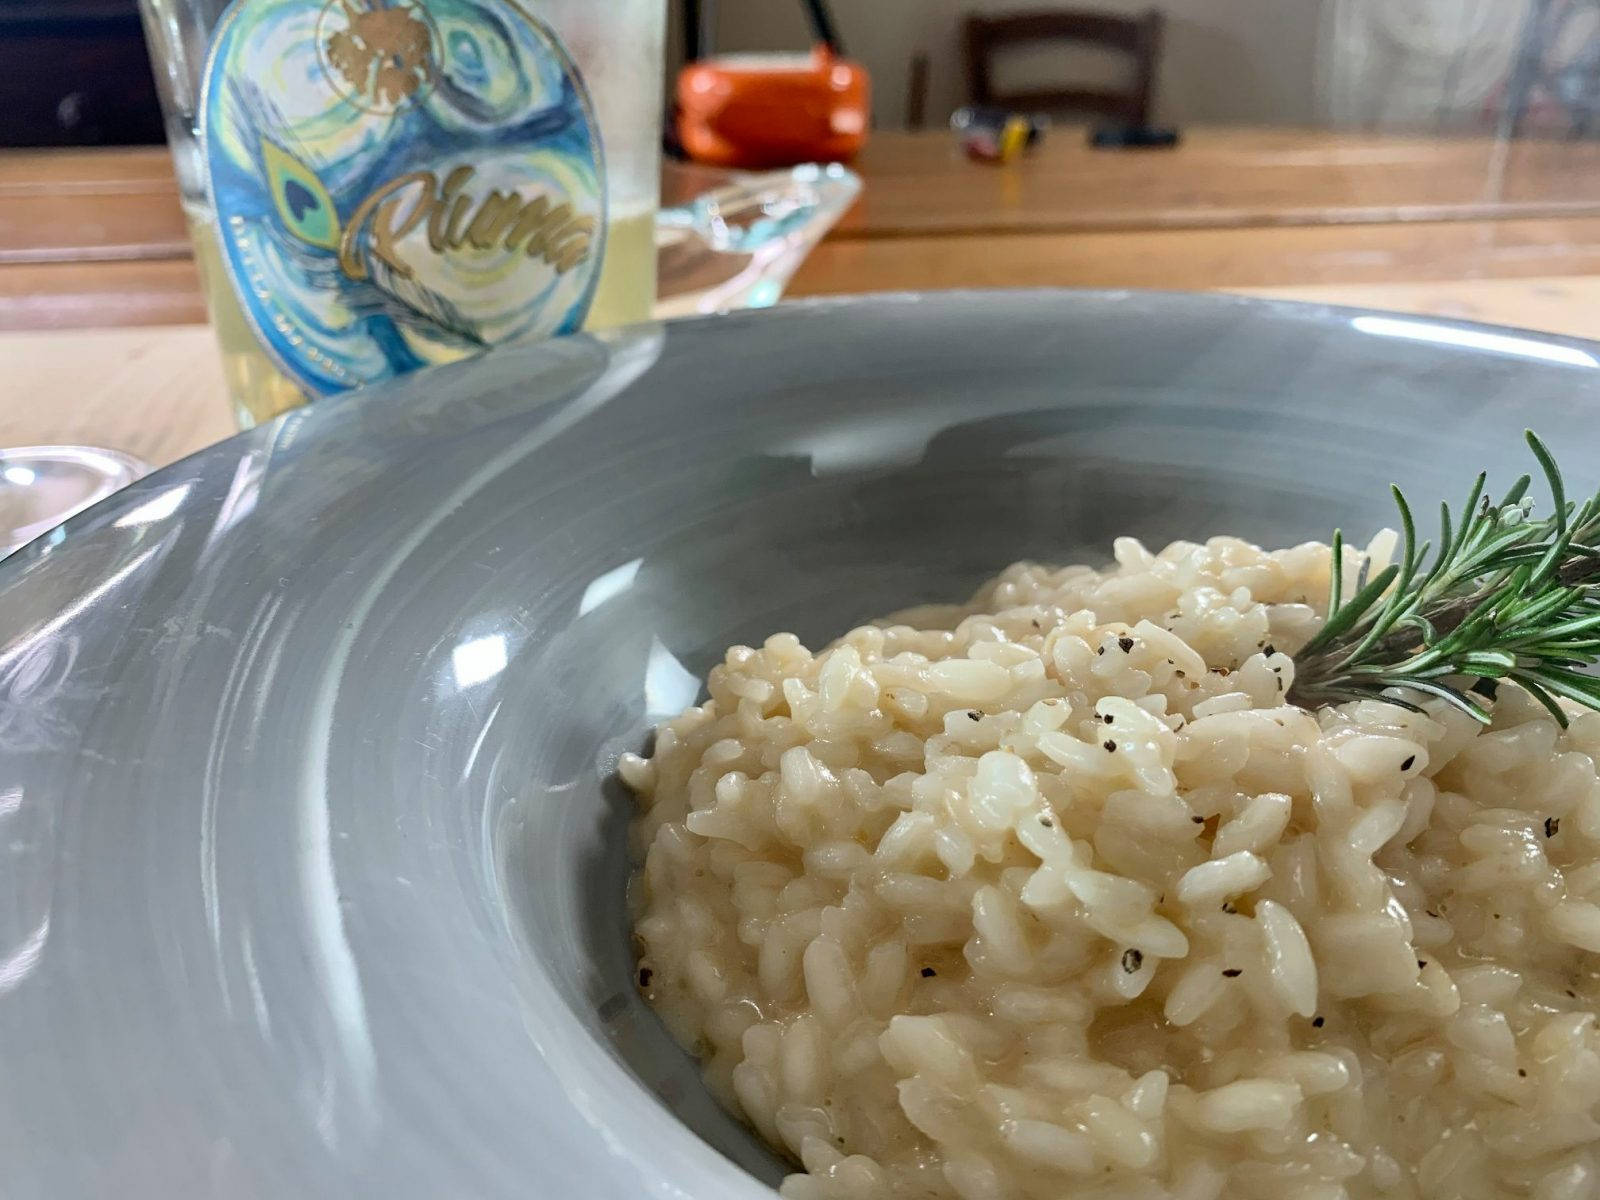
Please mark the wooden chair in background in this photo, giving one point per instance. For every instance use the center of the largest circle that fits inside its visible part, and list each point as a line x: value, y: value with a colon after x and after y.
x: 1139, y: 37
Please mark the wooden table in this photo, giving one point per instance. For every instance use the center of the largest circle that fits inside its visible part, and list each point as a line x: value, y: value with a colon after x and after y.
x: 1227, y: 208
x: 920, y: 183
x: 93, y: 239
x: 99, y: 301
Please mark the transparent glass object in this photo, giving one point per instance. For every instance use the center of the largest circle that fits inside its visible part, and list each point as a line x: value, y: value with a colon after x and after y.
x: 616, y: 46
x: 733, y: 239
x: 41, y: 486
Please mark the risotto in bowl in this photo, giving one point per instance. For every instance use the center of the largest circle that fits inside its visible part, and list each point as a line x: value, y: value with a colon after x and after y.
x: 1056, y: 894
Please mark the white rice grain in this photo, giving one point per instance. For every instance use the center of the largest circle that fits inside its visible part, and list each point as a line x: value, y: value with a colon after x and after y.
x: 1290, y: 966
x: 1210, y: 883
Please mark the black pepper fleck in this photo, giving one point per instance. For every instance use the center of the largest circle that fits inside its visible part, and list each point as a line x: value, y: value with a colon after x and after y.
x: 1126, y: 643
x: 1109, y: 744
x: 973, y: 713
x: 1571, y: 995
x: 1047, y: 822
x: 1132, y: 960
x: 1179, y: 672
x: 1521, y: 1073
x: 1108, y: 718
x: 1102, y: 650
x: 1198, y: 819
x: 1268, y: 650
x: 1233, y: 972
x: 928, y: 972
x: 1421, y: 963
x: 1431, y: 913
x: 1552, y: 826
x: 1227, y: 907
x: 645, y: 974
x: 1409, y: 763
x: 1318, y: 1022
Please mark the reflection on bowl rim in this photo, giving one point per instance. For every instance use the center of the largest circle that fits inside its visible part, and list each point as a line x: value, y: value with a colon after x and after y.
x: 114, y: 470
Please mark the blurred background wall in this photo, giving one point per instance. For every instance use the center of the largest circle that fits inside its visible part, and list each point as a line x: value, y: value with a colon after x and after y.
x: 1223, y: 60
x: 75, y: 71
x: 1421, y: 65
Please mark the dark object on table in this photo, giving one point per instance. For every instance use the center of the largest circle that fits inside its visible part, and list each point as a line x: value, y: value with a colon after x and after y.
x: 1133, y: 137
x: 1139, y: 37
x: 75, y: 73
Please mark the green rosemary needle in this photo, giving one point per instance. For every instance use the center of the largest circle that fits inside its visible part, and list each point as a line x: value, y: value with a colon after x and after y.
x: 1507, y: 597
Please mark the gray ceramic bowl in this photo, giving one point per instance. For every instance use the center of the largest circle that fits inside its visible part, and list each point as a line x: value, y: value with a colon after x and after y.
x: 310, y: 856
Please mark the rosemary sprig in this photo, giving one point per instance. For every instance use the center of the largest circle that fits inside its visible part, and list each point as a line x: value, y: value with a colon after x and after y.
x: 1506, y: 597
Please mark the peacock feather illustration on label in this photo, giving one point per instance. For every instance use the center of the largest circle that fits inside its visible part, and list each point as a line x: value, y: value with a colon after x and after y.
x: 303, y: 204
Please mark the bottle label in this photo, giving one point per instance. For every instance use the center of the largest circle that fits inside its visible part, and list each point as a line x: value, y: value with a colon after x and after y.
x: 399, y: 184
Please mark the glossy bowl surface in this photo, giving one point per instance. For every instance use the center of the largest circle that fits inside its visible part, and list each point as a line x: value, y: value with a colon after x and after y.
x: 311, y: 858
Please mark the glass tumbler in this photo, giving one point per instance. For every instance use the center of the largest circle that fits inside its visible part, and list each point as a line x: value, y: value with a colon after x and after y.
x: 374, y: 186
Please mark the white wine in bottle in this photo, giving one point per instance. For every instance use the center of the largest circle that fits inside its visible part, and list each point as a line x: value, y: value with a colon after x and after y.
x: 375, y: 187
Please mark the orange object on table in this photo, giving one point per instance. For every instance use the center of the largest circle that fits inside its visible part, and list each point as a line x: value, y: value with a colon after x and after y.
x: 772, y: 110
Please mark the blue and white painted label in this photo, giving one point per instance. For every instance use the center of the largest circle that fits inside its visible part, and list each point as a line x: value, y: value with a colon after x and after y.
x: 400, y: 184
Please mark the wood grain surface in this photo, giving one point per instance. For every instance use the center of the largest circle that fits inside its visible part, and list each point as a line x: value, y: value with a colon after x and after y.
x: 155, y: 393
x: 1209, y: 258
x: 919, y: 184
x: 101, y: 297
x: 121, y: 206
x: 58, y: 203
x: 89, y: 205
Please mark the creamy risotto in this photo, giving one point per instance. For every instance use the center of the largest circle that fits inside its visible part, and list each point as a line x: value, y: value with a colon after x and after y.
x: 1054, y: 895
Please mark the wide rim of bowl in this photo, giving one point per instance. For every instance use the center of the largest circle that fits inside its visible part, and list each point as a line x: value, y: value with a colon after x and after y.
x: 1315, y: 310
